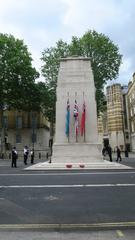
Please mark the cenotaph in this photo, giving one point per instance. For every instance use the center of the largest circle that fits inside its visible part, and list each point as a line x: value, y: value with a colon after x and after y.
x: 76, y: 138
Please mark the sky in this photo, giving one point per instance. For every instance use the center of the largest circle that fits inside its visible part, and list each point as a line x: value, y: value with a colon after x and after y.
x: 41, y: 23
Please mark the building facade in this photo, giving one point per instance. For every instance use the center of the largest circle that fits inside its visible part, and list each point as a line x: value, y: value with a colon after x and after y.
x: 103, y: 129
x: 24, y: 128
x: 113, y: 125
x: 131, y: 111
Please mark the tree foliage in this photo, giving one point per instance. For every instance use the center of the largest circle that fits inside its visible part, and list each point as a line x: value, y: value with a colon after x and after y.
x: 103, y: 53
x: 51, y: 59
x: 17, y: 79
x: 104, y: 56
x: 17, y: 76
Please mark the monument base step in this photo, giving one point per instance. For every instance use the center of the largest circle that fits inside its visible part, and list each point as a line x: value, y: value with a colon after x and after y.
x: 76, y: 166
x: 77, y: 152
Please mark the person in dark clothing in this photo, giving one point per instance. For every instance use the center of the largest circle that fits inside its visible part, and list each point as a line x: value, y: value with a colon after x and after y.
x: 51, y: 144
x: 14, y: 157
x: 26, y: 153
x: 109, y: 150
x: 126, y: 152
x: 118, y: 154
x: 103, y: 151
x: 32, y: 156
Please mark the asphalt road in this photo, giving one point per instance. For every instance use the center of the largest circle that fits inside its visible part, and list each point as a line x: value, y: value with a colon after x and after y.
x: 83, y: 235
x: 73, y: 198
x: 72, y: 204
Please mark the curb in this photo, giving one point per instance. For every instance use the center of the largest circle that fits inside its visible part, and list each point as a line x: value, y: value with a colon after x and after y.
x: 70, y: 227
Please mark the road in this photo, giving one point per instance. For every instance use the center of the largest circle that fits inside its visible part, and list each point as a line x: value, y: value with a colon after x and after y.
x: 87, y: 235
x: 74, y: 201
x: 76, y: 198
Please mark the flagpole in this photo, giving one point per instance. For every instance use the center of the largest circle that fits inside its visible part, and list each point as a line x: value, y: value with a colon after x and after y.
x: 84, y: 119
x: 84, y: 131
x: 75, y: 120
x: 69, y: 124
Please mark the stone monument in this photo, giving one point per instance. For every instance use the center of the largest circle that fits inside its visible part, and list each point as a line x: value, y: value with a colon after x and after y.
x: 76, y: 96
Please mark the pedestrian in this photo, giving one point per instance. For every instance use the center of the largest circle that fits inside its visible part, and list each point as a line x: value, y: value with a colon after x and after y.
x: 51, y: 144
x: 118, y: 151
x: 109, y: 150
x: 32, y: 156
x: 104, y: 151
x: 126, y: 152
x: 26, y: 153
x: 14, y: 157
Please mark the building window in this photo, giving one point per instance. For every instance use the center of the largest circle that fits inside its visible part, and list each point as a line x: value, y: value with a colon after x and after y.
x: 133, y: 95
x: 130, y: 100
x: 18, y: 122
x: 131, y: 113
x: 18, y: 138
x: 34, y: 138
x: 5, y: 122
x: 34, y: 122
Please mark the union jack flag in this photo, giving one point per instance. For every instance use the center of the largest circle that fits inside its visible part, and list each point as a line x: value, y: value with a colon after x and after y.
x: 76, y: 114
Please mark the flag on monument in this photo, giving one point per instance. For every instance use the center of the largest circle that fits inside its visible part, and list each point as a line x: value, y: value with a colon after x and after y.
x: 83, y: 119
x: 67, y: 118
x: 76, y: 113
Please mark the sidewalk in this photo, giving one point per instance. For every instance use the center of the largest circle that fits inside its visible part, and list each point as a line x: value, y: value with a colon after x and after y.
x: 127, y: 163
x: 130, y: 155
x: 42, y: 164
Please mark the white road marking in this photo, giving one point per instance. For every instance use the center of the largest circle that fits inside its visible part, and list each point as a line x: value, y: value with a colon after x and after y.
x: 68, y: 226
x: 64, y: 174
x: 71, y: 185
x: 120, y: 233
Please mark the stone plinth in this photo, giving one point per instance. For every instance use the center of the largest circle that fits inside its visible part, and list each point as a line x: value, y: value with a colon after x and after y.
x: 75, y: 82
x: 77, y: 152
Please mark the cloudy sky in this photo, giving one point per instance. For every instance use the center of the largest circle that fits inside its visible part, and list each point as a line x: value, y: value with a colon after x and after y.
x: 41, y: 23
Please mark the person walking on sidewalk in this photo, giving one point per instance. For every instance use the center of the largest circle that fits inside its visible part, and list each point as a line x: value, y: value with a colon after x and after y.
x: 32, y: 156
x: 104, y: 152
x: 109, y: 150
x: 26, y: 153
x: 14, y: 157
x: 126, y: 152
x: 118, y: 155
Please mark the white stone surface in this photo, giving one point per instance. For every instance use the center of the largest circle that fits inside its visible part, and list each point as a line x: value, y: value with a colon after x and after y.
x: 75, y: 82
x: 78, y: 166
x: 77, y: 152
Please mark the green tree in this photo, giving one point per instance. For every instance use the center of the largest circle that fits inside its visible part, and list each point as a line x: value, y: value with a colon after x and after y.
x: 47, y: 103
x: 103, y: 53
x: 51, y: 59
x: 104, y: 56
x: 17, y: 76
